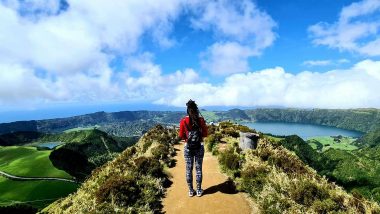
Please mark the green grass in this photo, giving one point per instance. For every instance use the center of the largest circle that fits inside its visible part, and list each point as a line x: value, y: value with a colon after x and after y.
x: 28, y: 162
x: 276, y: 139
x: 25, y: 191
x: 326, y: 142
x: 210, y: 116
x: 81, y: 128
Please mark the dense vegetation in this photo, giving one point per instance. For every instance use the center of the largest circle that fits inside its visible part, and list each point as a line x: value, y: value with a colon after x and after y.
x: 370, y: 139
x: 358, y: 171
x: 19, y: 138
x: 279, y: 180
x: 77, y: 154
x: 132, y: 183
x: 18, y: 208
x: 85, y: 150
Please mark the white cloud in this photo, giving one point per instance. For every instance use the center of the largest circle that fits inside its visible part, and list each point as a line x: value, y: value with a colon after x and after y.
x: 151, y: 82
x: 66, y: 50
x: 243, y: 31
x: 226, y: 58
x: 311, y: 63
x: 73, y: 48
x: 240, y: 21
x: 351, y: 88
x: 85, y: 33
x: 355, y: 31
x: 317, y: 62
x: 17, y: 83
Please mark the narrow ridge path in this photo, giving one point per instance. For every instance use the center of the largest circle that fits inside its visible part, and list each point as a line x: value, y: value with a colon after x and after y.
x: 15, y: 177
x: 219, y: 194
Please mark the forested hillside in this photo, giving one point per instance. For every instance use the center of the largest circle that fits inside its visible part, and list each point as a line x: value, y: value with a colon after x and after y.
x: 132, y: 183
x: 358, y: 171
x: 362, y: 120
x: 280, y: 181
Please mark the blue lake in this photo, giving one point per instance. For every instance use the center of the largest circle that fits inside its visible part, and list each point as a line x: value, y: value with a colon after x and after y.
x: 50, y: 145
x: 305, y: 131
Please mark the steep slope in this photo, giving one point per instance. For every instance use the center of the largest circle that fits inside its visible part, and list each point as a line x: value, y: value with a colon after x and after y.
x: 278, y: 180
x: 357, y: 171
x: 370, y: 139
x: 131, y: 183
x: 84, y: 150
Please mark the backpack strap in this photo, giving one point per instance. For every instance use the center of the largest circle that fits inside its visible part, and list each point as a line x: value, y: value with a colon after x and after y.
x: 187, y: 127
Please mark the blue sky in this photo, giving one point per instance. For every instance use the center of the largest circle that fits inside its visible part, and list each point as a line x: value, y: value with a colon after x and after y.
x: 61, y: 58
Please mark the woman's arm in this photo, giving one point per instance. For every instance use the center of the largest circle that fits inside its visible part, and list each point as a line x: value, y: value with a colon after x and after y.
x: 182, y: 133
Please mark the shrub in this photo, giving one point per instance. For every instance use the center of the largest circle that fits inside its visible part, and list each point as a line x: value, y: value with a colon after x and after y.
x: 325, y: 206
x: 211, y: 129
x: 215, y: 150
x: 305, y: 192
x: 212, y: 140
x: 253, y: 179
x: 160, y: 152
x: 225, y: 124
x: 119, y: 190
x: 376, y: 194
x: 149, y: 166
x: 146, y: 145
x: 244, y: 128
x: 129, y: 152
x: 230, y: 132
x: 229, y: 159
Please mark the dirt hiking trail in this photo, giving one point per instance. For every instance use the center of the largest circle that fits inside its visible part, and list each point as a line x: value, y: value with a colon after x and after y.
x: 219, y: 195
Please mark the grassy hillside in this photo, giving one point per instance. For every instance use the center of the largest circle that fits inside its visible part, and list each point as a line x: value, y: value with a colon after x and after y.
x: 278, y: 180
x: 28, y: 162
x: 328, y: 142
x: 131, y: 183
x: 36, y: 193
x: 81, y: 151
x: 84, y: 150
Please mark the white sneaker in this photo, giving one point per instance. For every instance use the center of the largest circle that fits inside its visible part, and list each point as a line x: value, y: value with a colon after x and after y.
x: 199, y: 192
x: 191, y: 193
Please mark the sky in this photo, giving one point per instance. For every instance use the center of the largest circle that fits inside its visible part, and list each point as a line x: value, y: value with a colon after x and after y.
x: 65, y: 57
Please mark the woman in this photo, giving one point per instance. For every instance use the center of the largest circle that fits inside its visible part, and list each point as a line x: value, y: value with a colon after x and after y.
x: 192, y: 130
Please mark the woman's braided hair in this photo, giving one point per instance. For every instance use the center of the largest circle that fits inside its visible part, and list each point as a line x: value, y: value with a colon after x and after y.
x: 193, y: 112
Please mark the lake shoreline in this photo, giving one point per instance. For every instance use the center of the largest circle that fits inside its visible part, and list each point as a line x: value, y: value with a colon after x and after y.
x: 305, y: 131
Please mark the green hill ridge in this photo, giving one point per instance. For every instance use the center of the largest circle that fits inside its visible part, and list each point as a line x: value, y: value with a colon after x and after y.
x: 276, y: 178
x: 132, y: 183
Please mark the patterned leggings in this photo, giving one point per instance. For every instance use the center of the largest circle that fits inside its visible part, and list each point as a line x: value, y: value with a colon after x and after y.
x: 190, y: 156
